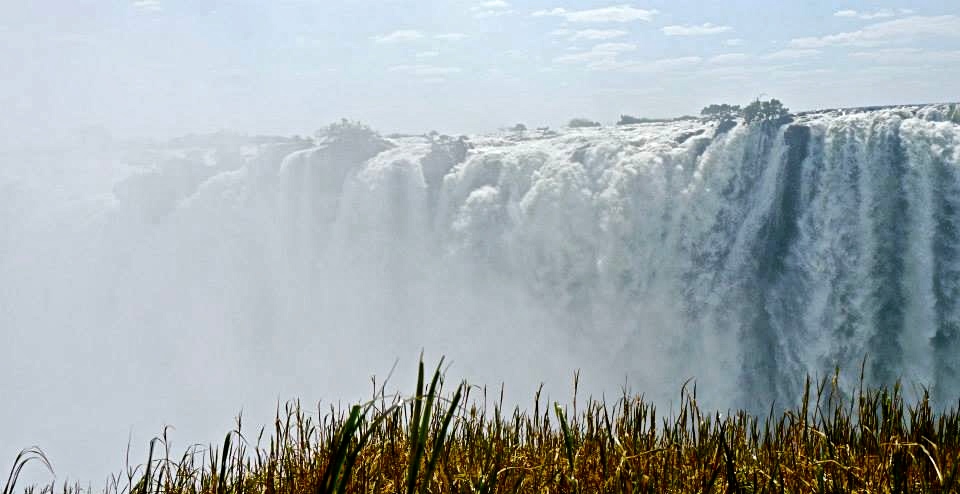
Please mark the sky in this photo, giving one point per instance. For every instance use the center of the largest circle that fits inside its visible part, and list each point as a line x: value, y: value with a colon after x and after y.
x: 169, y: 67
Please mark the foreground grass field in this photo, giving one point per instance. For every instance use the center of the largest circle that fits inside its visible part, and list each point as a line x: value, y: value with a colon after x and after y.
x: 442, y: 439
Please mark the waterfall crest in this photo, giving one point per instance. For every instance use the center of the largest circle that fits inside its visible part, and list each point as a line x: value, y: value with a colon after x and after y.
x: 746, y: 258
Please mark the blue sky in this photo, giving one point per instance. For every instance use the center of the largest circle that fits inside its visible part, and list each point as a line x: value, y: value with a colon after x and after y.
x: 166, y: 67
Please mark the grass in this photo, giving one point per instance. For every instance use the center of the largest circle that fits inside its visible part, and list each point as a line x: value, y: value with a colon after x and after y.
x: 441, y: 440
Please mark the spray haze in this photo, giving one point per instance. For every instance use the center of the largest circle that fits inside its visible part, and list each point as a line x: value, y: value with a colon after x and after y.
x: 226, y: 271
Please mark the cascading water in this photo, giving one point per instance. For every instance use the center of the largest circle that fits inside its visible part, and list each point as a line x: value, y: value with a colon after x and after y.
x: 745, y: 258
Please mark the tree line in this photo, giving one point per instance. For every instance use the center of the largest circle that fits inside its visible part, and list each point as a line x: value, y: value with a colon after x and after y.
x: 757, y: 111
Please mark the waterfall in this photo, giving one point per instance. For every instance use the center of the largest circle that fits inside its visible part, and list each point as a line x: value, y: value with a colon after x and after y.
x: 745, y: 258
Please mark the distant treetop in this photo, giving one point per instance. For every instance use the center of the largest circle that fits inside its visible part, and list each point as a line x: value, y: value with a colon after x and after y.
x: 765, y: 111
x: 721, y: 112
x: 345, y: 128
x: 630, y: 120
x: 582, y: 122
x: 757, y: 111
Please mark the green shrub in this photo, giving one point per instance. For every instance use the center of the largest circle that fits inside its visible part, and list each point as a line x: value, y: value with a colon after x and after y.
x: 765, y: 111
x: 582, y: 122
x: 721, y: 112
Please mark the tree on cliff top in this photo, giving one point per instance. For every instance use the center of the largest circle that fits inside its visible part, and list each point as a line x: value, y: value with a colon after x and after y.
x: 582, y: 122
x: 765, y: 111
x: 721, y: 112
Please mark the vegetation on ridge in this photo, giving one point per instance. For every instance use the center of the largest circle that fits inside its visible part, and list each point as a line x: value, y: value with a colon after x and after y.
x: 577, y: 123
x: 721, y: 112
x: 756, y: 112
x: 953, y: 114
x: 437, y: 441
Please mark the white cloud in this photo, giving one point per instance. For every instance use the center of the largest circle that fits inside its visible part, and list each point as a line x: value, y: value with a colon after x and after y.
x: 907, y: 56
x: 616, y: 13
x: 557, y: 12
x: 800, y: 76
x: 879, y: 14
x: 518, y: 54
x: 408, y: 35
x: 424, y: 70
x: 70, y: 38
x: 450, y: 36
x: 728, y: 58
x: 701, y: 30
x: 491, y: 13
x: 747, y: 72
x: 874, y: 54
x: 662, y: 64
x: 604, y: 54
x: 733, y: 42
x: 791, y: 54
x: 148, y: 5
x: 401, y: 36
x: 427, y: 54
x: 615, y: 47
x: 898, y: 30
x: 598, y: 34
x: 676, y: 62
x: 491, y: 8
x: 731, y: 72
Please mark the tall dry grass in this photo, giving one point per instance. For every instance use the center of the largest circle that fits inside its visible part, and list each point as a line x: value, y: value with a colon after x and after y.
x: 442, y: 439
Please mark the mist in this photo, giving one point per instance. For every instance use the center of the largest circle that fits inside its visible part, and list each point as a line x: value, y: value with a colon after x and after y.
x: 184, y: 283
x: 189, y: 281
